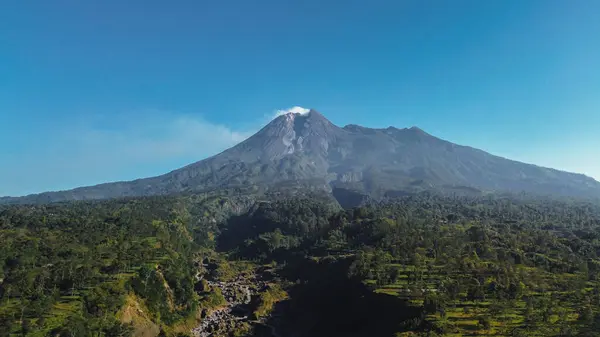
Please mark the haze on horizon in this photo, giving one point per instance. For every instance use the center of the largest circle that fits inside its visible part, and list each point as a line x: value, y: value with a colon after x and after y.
x: 112, y: 91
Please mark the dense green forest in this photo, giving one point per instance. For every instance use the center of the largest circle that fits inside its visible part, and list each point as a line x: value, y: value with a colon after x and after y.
x: 417, y: 265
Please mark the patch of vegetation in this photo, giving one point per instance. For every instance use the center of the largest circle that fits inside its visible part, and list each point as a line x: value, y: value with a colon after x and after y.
x: 69, y: 269
x: 267, y: 300
x: 419, y: 265
x: 212, y: 298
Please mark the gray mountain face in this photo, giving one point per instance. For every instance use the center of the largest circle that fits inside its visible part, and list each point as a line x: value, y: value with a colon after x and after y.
x: 307, y: 151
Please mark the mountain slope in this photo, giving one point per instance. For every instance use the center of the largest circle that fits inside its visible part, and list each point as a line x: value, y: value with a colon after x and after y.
x: 307, y: 151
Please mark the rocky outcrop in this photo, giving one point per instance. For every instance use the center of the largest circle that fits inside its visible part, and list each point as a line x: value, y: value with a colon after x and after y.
x: 234, y: 317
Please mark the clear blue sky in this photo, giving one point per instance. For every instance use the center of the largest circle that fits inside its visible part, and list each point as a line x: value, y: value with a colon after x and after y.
x: 96, y: 91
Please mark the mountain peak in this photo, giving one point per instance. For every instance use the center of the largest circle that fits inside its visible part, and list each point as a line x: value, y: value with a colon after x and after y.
x: 298, y: 118
x: 417, y: 130
x: 302, y: 148
x: 295, y: 110
x: 299, y: 111
x: 295, y: 131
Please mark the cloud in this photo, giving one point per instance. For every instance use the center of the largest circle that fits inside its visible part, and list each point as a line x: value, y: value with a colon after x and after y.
x: 183, y: 137
x: 295, y: 109
x: 125, y: 148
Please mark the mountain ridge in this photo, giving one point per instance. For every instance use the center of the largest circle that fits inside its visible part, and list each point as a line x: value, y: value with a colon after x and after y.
x: 306, y: 150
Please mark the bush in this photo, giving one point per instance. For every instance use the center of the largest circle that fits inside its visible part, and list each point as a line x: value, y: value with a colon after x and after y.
x: 268, y: 299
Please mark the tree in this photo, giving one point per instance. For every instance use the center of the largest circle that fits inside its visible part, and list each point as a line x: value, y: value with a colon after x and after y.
x: 484, y: 323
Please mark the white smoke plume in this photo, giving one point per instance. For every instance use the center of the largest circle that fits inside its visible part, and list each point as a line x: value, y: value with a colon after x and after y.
x: 296, y: 110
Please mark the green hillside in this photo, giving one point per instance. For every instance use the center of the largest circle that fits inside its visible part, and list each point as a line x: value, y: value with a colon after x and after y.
x: 421, y: 265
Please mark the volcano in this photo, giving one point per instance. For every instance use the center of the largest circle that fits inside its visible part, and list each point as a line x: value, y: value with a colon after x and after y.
x: 304, y: 150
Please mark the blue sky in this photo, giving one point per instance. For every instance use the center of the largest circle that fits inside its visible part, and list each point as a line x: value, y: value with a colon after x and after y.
x: 96, y: 91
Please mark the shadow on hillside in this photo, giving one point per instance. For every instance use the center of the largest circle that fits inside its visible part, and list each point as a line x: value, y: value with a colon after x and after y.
x: 325, y: 302
x: 237, y: 229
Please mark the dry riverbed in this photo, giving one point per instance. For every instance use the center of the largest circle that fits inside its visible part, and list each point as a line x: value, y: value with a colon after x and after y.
x: 234, y: 318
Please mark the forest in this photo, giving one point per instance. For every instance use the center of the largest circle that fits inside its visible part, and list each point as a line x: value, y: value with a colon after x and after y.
x: 420, y: 265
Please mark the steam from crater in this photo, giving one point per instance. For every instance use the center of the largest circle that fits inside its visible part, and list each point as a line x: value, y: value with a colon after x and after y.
x: 295, y: 110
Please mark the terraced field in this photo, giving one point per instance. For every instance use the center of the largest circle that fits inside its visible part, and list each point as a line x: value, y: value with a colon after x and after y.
x: 489, y: 315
